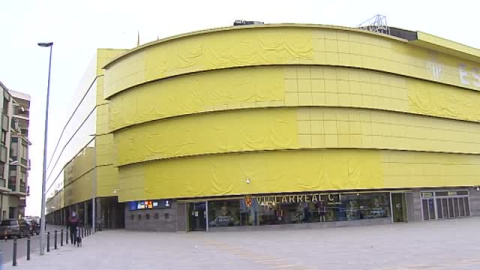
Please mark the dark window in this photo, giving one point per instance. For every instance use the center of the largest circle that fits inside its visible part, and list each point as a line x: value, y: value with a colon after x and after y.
x: 3, y: 138
x: 298, y: 208
x: 156, y: 216
x: 147, y: 216
x: 167, y: 215
x: 132, y: 217
x: 139, y: 216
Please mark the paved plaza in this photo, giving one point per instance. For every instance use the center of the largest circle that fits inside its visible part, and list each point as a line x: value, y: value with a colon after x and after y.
x: 450, y: 244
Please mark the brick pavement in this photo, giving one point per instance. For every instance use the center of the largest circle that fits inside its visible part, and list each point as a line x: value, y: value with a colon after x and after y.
x: 451, y: 244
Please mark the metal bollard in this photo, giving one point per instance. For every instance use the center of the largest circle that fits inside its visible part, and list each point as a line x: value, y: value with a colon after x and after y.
x: 55, y: 237
x: 14, y: 262
x: 66, y: 236
x: 28, y: 248
x: 61, y: 237
x: 48, y: 241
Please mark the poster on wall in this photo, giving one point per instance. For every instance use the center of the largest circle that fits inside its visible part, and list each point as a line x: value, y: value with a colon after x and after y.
x: 158, y: 204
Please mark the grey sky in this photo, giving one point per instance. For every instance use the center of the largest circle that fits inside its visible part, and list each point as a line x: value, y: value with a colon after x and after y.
x: 79, y: 27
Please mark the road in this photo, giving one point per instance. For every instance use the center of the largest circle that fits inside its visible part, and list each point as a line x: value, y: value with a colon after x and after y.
x: 6, y: 247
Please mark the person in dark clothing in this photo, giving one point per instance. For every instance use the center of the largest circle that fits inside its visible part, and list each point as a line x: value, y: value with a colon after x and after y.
x: 72, y: 224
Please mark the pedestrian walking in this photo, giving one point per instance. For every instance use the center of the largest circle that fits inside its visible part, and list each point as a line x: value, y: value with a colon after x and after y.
x: 72, y: 224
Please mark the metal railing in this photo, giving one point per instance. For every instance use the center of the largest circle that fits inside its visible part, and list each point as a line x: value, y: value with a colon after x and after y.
x: 81, y: 233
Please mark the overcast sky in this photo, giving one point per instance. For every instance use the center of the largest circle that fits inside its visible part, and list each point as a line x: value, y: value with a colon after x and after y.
x: 79, y: 27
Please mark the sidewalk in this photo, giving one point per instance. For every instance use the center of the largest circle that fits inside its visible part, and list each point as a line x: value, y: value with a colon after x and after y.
x: 119, y: 249
x: 439, y: 245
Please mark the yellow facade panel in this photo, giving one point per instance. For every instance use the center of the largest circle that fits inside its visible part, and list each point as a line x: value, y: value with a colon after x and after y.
x: 245, y: 130
x: 196, y: 93
x: 295, y: 171
x: 107, y: 181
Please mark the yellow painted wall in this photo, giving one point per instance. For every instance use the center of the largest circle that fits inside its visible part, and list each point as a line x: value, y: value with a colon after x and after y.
x: 244, y: 130
x: 292, y: 108
x: 276, y: 44
x: 291, y: 171
x: 79, y: 173
x: 267, y: 87
x: 106, y: 173
x: 293, y: 128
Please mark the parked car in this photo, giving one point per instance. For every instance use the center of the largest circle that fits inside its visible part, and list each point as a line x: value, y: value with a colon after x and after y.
x: 14, y: 227
x: 34, y: 227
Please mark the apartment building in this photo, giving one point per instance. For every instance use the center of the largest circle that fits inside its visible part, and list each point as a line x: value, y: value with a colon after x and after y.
x: 14, y: 161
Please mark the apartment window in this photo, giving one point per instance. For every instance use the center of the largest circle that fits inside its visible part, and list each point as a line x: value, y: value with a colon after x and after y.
x: 3, y: 154
x: 23, y: 174
x: 5, y: 104
x: 156, y: 216
x: 14, y: 150
x: 5, y: 122
x: 3, y: 138
x: 147, y: 216
x: 2, y: 170
x: 24, y: 151
x: 13, y: 172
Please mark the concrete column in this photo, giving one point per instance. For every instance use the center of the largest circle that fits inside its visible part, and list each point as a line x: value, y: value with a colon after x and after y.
x: 182, y: 217
x: 98, y: 210
x: 85, y: 213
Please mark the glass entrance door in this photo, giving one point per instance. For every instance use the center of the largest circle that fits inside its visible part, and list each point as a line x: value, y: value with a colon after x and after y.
x: 428, y: 209
x: 399, y: 207
x: 445, y: 204
x: 197, y: 216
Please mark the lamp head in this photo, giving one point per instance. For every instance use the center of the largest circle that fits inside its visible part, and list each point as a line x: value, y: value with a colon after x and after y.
x: 45, y: 44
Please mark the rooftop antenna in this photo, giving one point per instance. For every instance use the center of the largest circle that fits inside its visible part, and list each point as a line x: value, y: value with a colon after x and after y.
x: 377, y: 23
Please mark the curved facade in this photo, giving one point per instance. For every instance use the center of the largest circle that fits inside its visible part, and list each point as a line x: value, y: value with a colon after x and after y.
x: 269, y: 116
x: 292, y: 108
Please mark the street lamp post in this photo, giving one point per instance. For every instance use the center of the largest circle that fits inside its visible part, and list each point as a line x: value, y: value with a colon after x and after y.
x: 44, y: 180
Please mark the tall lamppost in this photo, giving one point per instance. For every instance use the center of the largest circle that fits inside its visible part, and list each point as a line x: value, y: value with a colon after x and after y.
x: 44, y: 176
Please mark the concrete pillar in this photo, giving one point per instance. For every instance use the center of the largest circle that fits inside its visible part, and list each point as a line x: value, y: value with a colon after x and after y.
x: 85, y: 213
x: 98, y: 210
x: 182, y: 217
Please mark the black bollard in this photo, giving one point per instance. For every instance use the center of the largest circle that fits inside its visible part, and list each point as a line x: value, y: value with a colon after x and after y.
x: 55, y: 237
x: 14, y: 262
x: 66, y: 236
x: 61, y: 238
x: 28, y: 248
x: 48, y: 241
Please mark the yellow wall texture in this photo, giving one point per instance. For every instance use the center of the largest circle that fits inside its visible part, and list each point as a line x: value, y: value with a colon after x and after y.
x: 234, y: 131
x: 264, y: 87
x: 291, y: 109
x: 200, y: 92
x: 295, y: 170
x: 276, y: 45
x: 293, y: 128
x: 79, y: 172
x: 106, y: 173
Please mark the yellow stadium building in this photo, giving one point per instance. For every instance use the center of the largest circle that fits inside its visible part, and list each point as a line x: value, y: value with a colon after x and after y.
x: 253, y: 127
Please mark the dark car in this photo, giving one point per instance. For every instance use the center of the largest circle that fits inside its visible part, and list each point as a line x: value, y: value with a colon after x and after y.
x: 14, y: 227
x: 34, y: 227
